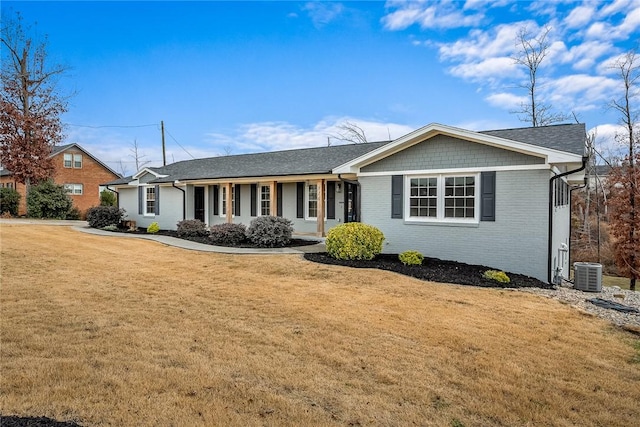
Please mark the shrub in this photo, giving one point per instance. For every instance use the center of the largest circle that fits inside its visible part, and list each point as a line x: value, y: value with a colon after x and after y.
x: 74, y: 214
x: 192, y: 228
x: 411, y: 258
x: 153, y: 228
x: 354, y: 240
x: 270, y: 231
x: 103, y: 216
x: 48, y: 200
x: 227, y: 234
x: 108, y: 198
x: 9, y: 201
x: 111, y: 227
x: 498, y: 276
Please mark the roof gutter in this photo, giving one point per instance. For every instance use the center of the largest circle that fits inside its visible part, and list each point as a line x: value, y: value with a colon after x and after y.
x: 585, y: 159
x: 184, y: 199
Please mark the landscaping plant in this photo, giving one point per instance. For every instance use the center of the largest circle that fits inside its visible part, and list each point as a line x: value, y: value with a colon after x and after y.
x: 103, y: 216
x: 354, y: 240
x: 9, y: 201
x: 227, y: 234
x: 498, y: 276
x: 153, y: 228
x: 108, y: 198
x: 411, y: 258
x: 192, y: 228
x: 48, y: 200
x: 270, y: 231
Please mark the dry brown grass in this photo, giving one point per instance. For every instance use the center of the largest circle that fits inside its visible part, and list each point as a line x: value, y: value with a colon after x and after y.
x: 113, y: 331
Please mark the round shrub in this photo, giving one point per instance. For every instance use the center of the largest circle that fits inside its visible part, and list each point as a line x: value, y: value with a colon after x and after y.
x: 9, y: 201
x: 192, y: 228
x: 103, y: 216
x: 227, y: 234
x: 48, y: 200
x: 270, y: 231
x: 498, y: 276
x: 153, y: 228
x: 354, y: 240
x: 411, y: 258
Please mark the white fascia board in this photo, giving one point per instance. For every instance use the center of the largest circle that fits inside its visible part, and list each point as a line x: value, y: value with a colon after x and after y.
x: 147, y: 170
x: 550, y: 155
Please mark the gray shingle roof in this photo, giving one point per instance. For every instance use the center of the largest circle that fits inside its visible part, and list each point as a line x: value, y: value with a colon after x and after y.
x: 319, y: 160
x: 567, y: 137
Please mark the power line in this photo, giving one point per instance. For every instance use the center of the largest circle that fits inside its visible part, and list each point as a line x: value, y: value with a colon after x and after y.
x: 176, y: 141
x: 111, y: 126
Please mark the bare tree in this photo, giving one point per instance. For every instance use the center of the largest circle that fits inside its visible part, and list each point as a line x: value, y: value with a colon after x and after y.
x: 350, y: 132
x: 30, y: 104
x: 138, y: 156
x: 625, y: 201
x: 531, y: 53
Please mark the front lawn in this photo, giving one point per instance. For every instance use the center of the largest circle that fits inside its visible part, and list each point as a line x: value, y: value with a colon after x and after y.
x: 110, y: 331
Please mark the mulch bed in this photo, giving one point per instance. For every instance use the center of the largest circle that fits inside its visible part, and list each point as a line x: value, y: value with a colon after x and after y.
x: 435, y: 270
x: 14, y: 421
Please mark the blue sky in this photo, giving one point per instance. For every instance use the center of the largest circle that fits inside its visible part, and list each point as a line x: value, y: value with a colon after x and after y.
x: 236, y: 77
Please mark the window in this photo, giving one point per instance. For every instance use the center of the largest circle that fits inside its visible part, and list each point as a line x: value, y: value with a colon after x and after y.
x: 73, y: 161
x: 443, y: 198
x: 265, y: 200
x: 9, y: 184
x: 68, y: 160
x: 561, y: 193
x: 223, y: 209
x: 150, y: 200
x: 74, y: 189
x: 77, y: 161
x: 312, y: 201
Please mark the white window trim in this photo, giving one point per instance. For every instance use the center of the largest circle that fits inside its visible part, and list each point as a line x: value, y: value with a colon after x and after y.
x: 155, y: 198
x: 75, y: 157
x: 260, y: 200
x: 66, y: 156
x: 306, y: 202
x: 223, y: 198
x: 440, y: 218
x: 71, y: 189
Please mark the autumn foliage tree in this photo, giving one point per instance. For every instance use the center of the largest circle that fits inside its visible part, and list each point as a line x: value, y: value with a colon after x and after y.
x: 30, y: 105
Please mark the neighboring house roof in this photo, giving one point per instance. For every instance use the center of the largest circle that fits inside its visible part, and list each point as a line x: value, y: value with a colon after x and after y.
x: 306, y: 161
x: 61, y: 148
x: 602, y: 170
x: 566, y: 137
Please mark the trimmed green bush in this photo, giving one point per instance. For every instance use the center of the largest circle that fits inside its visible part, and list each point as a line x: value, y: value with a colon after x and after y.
x: 74, y: 214
x: 354, y: 240
x: 48, y: 200
x: 270, y: 231
x: 103, y: 216
x: 192, y: 228
x: 498, y: 276
x: 9, y: 201
x: 227, y: 234
x: 108, y: 198
x: 153, y: 228
x: 110, y: 228
x: 411, y: 258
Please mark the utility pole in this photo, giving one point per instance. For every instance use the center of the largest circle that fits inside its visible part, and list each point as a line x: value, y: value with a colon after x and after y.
x: 164, y: 154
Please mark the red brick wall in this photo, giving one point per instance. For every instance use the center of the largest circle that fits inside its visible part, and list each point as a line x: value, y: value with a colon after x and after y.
x: 90, y: 175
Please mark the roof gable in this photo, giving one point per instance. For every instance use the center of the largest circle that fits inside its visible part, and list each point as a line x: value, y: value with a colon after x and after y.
x: 58, y: 149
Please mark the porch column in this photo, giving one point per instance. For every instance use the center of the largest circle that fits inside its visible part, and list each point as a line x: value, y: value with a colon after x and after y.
x: 229, y: 212
x: 273, y: 208
x: 321, y: 195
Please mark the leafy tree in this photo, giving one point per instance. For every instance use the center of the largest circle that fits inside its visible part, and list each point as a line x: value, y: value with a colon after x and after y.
x: 48, y: 200
x: 30, y: 106
x: 531, y: 53
x: 9, y: 201
x: 624, y: 201
x: 108, y: 198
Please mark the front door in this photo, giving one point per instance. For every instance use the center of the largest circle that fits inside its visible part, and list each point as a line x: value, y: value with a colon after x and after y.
x: 351, y: 207
x: 198, y: 203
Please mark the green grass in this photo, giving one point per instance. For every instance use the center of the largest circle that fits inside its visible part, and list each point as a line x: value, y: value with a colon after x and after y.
x: 621, y: 282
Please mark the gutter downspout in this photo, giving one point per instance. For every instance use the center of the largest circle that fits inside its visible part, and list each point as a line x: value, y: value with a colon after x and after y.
x: 551, y: 181
x: 184, y: 200
x: 117, y: 195
x: 358, y: 193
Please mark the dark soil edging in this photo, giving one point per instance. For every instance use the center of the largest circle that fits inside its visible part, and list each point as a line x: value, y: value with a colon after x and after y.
x: 435, y: 270
x: 15, y: 421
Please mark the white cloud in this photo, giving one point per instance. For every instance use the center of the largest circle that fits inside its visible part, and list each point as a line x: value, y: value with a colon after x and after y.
x: 606, y: 140
x: 580, y: 16
x: 444, y: 14
x: 490, y: 70
x: 498, y: 41
x: 322, y: 13
x: 506, y: 100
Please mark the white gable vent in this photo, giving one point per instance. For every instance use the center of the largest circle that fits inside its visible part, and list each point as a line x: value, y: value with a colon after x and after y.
x: 588, y: 276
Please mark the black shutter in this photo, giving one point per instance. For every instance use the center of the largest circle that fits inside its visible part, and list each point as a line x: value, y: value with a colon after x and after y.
x: 331, y: 200
x: 157, y: 204
x: 254, y: 199
x: 396, y: 196
x: 236, y: 197
x: 216, y: 200
x: 279, y: 199
x: 488, y: 196
x: 140, y: 200
x: 300, y: 200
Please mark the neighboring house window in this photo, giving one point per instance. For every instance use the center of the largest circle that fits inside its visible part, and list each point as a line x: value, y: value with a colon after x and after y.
x: 443, y: 198
x: 312, y: 201
x: 223, y: 208
x: 77, y: 161
x: 75, y: 189
x: 68, y: 160
x: 150, y: 200
x: 73, y: 161
x: 9, y: 184
x: 265, y: 200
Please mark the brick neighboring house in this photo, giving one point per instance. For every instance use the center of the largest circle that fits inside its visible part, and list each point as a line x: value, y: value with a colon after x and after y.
x: 75, y: 168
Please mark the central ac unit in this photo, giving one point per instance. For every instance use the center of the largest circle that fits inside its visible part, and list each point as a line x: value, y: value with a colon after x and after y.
x: 588, y: 276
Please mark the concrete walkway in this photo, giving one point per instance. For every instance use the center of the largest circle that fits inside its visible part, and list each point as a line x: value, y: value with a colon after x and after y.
x: 82, y: 226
